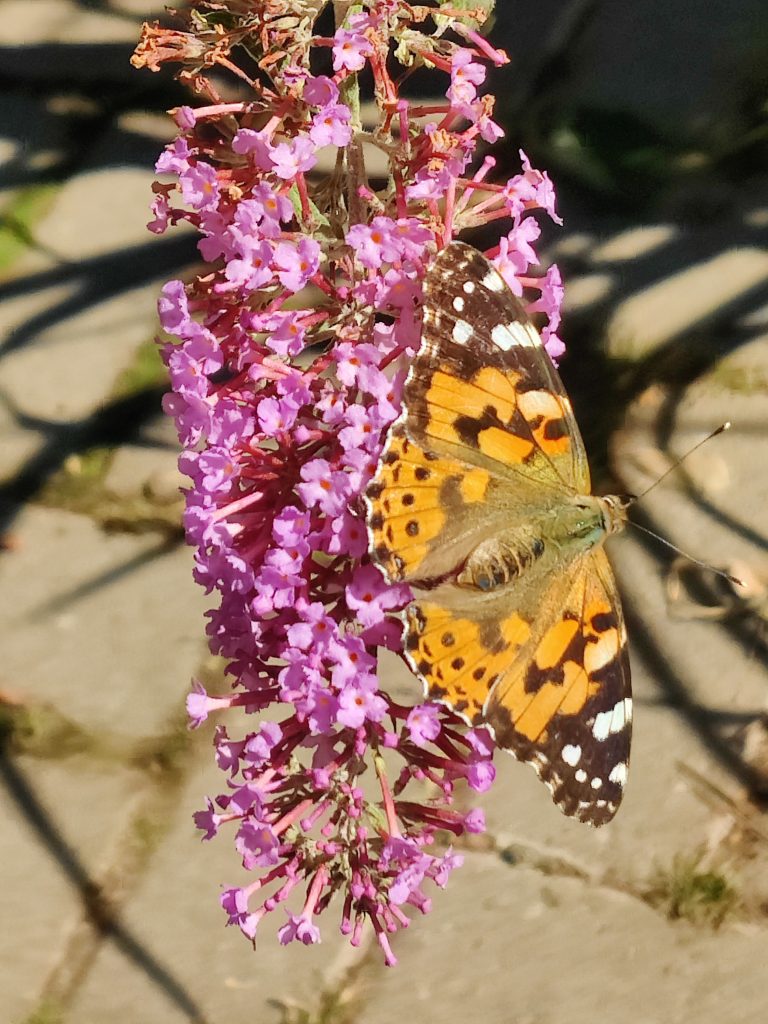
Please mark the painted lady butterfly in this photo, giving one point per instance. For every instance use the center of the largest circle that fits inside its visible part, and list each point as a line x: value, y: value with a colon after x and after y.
x: 482, y: 503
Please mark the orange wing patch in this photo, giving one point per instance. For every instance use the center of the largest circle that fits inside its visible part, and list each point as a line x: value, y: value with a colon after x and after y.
x: 459, y: 659
x: 562, y: 675
x: 488, y: 388
x: 500, y: 445
x: 565, y: 707
x: 407, y: 506
x: 493, y: 413
x: 547, y: 415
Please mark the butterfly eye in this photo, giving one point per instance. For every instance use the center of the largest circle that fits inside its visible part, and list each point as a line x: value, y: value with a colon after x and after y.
x: 583, y: 528
x: 484, y: 582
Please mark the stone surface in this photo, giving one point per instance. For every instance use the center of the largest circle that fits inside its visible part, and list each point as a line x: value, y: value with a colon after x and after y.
x: 634, y: 243
x: 58, y: 820
x: 620, y: 60
x: 61, y: 21
x: 545, y: 926
x: 31, y: 138
x: 138, y: 469
x: 83, y: 299
x: 684, y: 301
x: 177, y: 919
x: 73, y: 350
x: 17, y: 445
x: 148, y: 464
x: 507, y: 944
x: 107, y: 627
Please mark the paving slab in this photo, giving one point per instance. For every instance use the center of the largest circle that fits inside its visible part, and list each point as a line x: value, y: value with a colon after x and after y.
x: 176, y: 916
x: 58, y: 821
x: 72, y: 349
x: 507, y: 944
x: 66, y: 40
x: 716, y: 500
x: 18, y: 445
x: 670, y: 68
x: 82, y: 301
x: 108, y: 628
x: 136, y: 470
x: 32, y: 137
x: 689, y: 299
x: 149, y: 464
x: 642, y: 288
x: 64, y: 21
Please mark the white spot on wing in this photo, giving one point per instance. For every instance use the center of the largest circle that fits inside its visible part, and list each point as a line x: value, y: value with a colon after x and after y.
x: 609, y: 722
x: 619, y: 773
x: 462, y: 332
x: 596, y: 783
x: 601, y: 727
x: 469, y: 287
x: 571, y: 754
x: 515, y: 335
x: 581, y: 775
x: 494, y: 282
x: 458, y: 304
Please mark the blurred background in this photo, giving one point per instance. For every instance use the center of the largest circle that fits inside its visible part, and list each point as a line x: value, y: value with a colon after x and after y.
x: 651, y: 118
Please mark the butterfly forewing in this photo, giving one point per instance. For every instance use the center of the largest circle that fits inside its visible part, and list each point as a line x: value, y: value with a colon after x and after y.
x: 482, y: 386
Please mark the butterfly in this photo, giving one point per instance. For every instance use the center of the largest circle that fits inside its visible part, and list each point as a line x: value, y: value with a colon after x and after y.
x: 481, y: 502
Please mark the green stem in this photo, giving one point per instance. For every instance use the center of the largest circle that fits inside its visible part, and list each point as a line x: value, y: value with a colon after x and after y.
x: 350, y: 95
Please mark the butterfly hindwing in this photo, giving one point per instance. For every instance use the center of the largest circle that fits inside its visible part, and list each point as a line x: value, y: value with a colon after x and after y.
x: 424, y: 510
x: 564, y: 706
x: 459, y: 654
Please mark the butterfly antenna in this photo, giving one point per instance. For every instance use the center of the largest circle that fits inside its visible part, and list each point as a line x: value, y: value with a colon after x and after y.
x: 689, y: 558
x: 678, y: 462
x: 662, y: 540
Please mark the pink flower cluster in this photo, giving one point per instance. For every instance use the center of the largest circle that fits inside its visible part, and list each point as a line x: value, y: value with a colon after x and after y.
x: 287, y: 362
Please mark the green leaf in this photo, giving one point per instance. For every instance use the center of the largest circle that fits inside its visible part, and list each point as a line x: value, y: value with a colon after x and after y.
x: 295, y: 199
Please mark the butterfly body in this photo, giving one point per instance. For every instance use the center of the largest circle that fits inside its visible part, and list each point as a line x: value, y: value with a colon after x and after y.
x: 482, y: 503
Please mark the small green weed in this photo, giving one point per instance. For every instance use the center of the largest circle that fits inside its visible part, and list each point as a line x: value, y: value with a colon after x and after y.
x: 145, y: 372
x: 48, y: 1013
x: 18, y: 220
x: 335, y: 1006
x: 686, y: 891
x: 740, y: 380
x: 74, y: 486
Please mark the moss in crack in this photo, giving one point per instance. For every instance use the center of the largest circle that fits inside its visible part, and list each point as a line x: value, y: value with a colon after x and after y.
x: 46, y: 1013
x: 738, y: 380
x: 164, y: 755
x: 691, y: 891
x: 40, y: 730
x: 80, y: 485
x: 145, y: 372
x: 18, y: 220
x: 340, y: 1005
x: 78, y: 480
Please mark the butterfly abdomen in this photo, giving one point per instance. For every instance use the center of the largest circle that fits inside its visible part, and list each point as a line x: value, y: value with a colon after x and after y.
x: 499, y: 561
